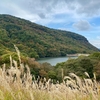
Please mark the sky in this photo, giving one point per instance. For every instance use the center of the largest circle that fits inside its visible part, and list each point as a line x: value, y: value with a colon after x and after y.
x: 79, y: 16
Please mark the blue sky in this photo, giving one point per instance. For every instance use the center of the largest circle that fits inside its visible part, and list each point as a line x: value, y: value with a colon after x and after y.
x: 79, y: 16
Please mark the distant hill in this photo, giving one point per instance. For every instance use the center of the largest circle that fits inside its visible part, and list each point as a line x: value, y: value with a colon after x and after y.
x: 36, y: 41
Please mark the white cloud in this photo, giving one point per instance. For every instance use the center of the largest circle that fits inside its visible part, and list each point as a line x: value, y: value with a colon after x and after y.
x: 89, y: 7
x: 44, y: 9
x: 82, y: 25
x: 96, y: 43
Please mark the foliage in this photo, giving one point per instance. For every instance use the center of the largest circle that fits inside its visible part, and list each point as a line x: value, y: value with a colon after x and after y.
x: 90, y: 64
x: 37, y: 41
x: 95, y: 55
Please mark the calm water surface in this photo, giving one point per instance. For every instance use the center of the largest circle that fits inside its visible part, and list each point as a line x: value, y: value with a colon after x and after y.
x: 53, y: 61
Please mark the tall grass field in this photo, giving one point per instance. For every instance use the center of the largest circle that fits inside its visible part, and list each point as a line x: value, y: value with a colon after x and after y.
x: 16, y: 83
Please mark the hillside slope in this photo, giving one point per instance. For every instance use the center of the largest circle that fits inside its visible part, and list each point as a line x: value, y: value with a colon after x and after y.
x: 38, y: 41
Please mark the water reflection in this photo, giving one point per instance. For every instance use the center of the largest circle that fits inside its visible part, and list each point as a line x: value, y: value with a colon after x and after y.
x: 53, y: 61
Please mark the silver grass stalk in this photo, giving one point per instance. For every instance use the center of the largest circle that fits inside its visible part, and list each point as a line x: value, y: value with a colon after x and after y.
x: 18, y: 52
x: 4, y: 70
x: 28, y: 69
x: 87, y: 74
x: 22, y: 68
x: 15, y: 64
x: 67, y: 77
x: 94, y: 76
x: 10, y: 61
x: 78, y: 81
x: 62, y: 73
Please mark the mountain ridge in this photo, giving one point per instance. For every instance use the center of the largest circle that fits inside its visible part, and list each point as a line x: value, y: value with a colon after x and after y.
x: 39, y: 41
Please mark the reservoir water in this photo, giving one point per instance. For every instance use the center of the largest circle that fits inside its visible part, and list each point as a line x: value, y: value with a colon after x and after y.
x: 54, y: 60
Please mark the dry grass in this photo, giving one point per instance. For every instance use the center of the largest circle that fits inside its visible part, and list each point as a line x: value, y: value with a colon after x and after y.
x: 16, y: 84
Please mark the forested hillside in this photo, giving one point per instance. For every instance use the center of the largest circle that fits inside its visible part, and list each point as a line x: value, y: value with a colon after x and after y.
x: 34, y: 40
